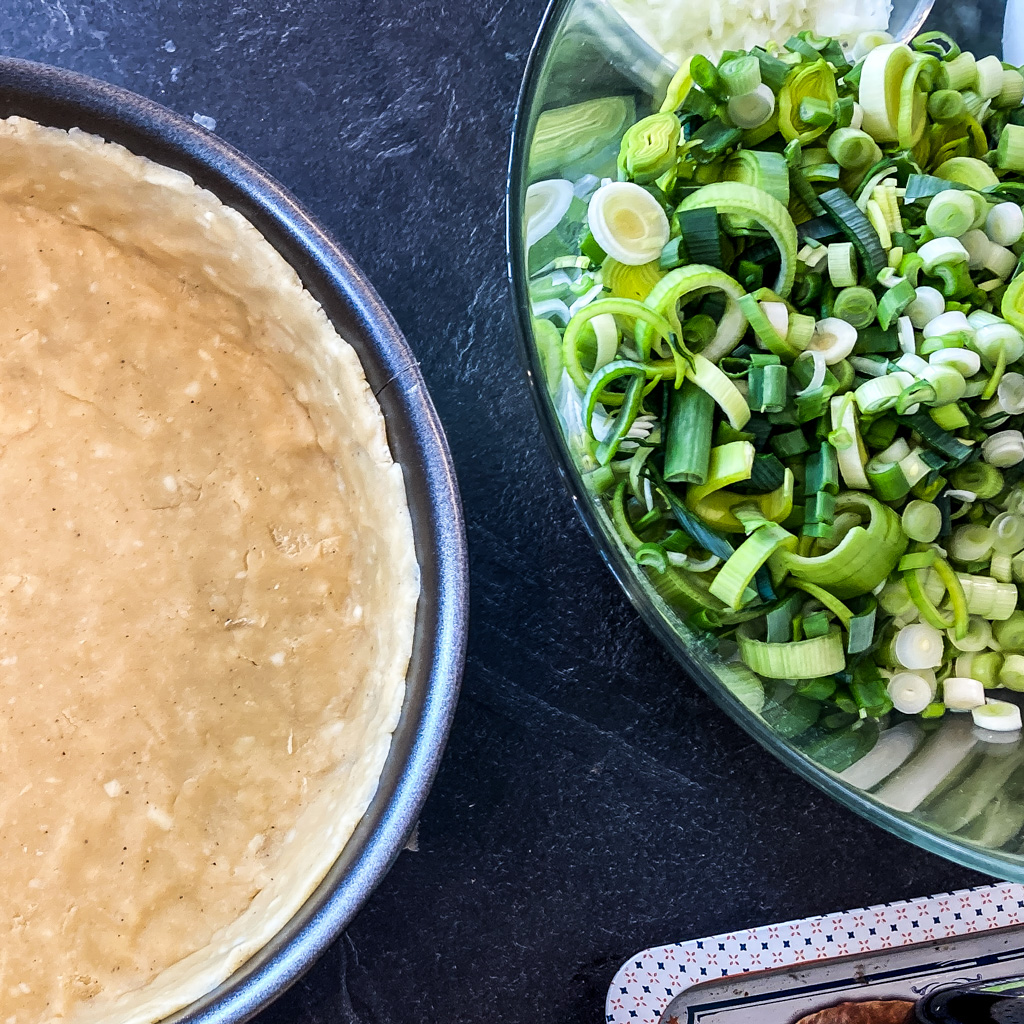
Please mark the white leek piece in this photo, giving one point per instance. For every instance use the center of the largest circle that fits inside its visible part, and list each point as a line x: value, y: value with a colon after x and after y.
x: 905, y: 331
x: 1000, y: 261
x: 997, y: 715
x: 607, y: 335
x: 778, y: 316
x: 950, y: 213
x: 941, y: 252
x: 817, y: 374
x: 977, y: 244
x: 833, y: 338
x: 752, y: 109
x: 953, y: 322
x: 919, y: 646
x: 1005, y: 224
x: 842, y: 264
x: 915, y: 469
x: 547, y: 202
x: 1004, y: 448
x: 977, y: 638
x: 927, y: 304
x: 628, y: 223
x: 1000, y: 337
x: 990, y: 77
x: 867, y: 41
x: 551, y: 309
x: 880, y: 81
x: 910, y: 693
x: 1010, y: 394
x: 912, y: 363
x: 1007, y: 531
x: 970, y: 542
x: 850, y: 452
x: 961, y: 693
x: 963, y: 360
x: 880, y: 393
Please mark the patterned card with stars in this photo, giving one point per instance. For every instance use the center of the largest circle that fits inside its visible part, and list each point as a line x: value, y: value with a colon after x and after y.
x: 896, y: 950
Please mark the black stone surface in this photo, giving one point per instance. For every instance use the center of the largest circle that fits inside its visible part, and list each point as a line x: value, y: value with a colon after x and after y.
x: 592, y: 801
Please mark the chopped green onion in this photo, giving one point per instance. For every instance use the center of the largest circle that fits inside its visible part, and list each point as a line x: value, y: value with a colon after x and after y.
x: 805, y: 659
x: 813, y: 80
x: 909, y: 692
x: 961, y: 72
x: 857, y: 229
x: 752, y: 109
x: 989, y: 71
x: 983, y: 666
x: 950, y: 213
x: 764, y: 170
x: 1011, y: 673
x: 863, y: 558
x: 936, y: 43
x: 1007, y: 530
x: 856, y: 305
x: 744, y: 200
x: 741, y: 74
x: 628, y: 222
x: 734, y: 577
x: 977, y: 637
x: 688, y: 439
x: 694, y: 282
x: 997, y: 716
x: 853, y: 149
x: 1011, y: 92
x: 919, y: 645
x: 649, y: 147
x: 946, y: 106
x: 894, y: 302
x: 1009, y: 634
x: 842, y: 264
x: 988, y: 597
x: 960, y: 693
x: 885, y: 474
x: 1003, y: 449
x: 922, y: 521
x: 969, y: 171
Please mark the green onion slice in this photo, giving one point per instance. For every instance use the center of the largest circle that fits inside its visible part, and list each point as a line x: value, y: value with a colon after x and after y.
x: 688, y: 284
x: 862, y: 559
x: 734, y: 577
x: 814, y: 80
x: 805, y: 659
x: 857, y: 229
x: 737, y: 199
x: 880, y: 84
x: 638, y: 311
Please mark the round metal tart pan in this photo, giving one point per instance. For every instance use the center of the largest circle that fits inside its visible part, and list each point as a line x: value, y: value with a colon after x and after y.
x: 64, y: 99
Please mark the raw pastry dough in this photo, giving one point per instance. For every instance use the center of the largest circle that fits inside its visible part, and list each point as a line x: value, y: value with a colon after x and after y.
x: 207, y: 586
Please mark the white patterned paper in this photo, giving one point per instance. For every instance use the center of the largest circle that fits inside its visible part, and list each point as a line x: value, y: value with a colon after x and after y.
x: 646, y: 983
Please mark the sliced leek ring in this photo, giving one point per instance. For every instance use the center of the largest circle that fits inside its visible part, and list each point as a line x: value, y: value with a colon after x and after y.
x: 628, y: 222
x: 881, y: 80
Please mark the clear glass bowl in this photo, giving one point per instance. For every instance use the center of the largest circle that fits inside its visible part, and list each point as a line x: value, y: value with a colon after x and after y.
x: 946, y: 786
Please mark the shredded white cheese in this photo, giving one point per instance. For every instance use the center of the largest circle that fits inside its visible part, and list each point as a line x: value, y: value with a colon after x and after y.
x: 681, y: 28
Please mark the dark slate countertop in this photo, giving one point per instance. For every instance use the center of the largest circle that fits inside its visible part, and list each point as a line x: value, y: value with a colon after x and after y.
x: 592, y: 801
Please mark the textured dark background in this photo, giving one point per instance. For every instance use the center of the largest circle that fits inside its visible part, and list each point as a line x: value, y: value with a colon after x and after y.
x: 592, y: 802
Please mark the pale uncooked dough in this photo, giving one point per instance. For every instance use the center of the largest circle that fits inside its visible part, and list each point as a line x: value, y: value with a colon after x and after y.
x: 207, y: 586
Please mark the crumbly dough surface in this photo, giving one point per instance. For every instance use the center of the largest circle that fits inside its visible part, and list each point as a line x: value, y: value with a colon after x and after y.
x: 207, y: 586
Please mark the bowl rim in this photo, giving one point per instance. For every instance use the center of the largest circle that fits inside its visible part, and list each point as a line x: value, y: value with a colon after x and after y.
x: 68, y: 99
x: 988, y: 862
